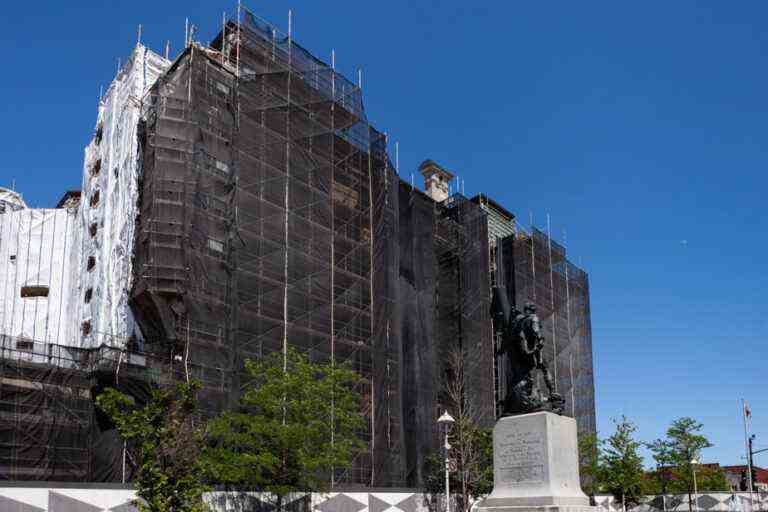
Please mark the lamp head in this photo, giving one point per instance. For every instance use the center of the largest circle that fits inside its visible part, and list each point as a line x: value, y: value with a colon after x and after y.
x: 446, y: 419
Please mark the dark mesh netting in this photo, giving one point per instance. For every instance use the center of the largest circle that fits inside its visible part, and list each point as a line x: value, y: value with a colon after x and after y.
x: 257, y: 226
x: 50, y: 428
x: 270, y: 217
x: 444, y: 307
x: 535, y: 268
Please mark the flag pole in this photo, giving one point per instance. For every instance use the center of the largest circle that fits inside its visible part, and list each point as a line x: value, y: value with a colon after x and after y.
x: 746, y: 446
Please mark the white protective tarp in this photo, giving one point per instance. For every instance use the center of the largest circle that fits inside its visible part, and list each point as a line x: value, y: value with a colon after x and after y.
x: 114, y: 215
x: 36, y: 251
x: 53, y: 247
x: 11, y: 200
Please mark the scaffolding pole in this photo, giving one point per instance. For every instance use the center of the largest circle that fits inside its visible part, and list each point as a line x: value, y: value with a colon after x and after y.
x: 552, y: 297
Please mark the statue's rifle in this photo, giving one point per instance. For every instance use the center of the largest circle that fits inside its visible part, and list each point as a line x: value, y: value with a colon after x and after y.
x: 501, y: 312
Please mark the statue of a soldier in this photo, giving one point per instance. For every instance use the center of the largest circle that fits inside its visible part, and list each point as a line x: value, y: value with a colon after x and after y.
x: 522, y: 343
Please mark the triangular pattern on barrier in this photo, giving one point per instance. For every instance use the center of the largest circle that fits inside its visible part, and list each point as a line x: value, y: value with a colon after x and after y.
x: 238, y: 502
x: 297, y: 502
x: 376, y: 504
x: 707, y: 502
x: 17, y: 506
x: 340, y: 503
x: 61, y: 503
x: 411, y: 504
x: 124, y: 507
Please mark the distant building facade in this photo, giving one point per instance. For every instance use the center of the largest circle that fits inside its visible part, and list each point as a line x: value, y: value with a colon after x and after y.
x: 738, y: 476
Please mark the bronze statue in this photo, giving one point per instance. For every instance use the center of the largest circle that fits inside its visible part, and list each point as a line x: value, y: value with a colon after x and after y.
x: 521, y: 342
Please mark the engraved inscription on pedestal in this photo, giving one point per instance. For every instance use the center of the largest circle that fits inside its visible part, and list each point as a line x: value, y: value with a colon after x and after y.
x: 535, y: 466
x: 520, y: 458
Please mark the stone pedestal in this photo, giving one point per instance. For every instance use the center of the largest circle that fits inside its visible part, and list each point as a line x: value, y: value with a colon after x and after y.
x: 535, y: 466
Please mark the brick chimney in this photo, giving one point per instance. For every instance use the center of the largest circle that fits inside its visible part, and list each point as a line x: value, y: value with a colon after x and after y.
x: 436, y: 180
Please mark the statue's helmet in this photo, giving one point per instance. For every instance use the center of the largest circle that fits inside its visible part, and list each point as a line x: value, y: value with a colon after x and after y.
x: 529, y: 307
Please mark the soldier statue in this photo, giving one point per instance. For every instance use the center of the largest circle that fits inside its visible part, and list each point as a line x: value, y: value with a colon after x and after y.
x: 521, y: 342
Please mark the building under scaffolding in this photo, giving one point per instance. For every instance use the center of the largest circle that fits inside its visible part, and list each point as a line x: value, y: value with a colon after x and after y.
x: 443, y: 306
x: 535, y: 268
x: 256, y: 223
x: 237, y: 202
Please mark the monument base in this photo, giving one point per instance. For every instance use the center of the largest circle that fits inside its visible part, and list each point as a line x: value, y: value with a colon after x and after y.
x: 523, y: 508
x: 535, y: 466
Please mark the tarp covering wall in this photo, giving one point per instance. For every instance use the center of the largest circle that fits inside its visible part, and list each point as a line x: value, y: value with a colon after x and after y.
x: 50, y: 429
x: 36, y: 273
x: 443, y: 309
x: 237, y: 202
x: 256, y: 225
x: 533, y: 267
x: 389, y: 439
x: 560, y: 290
x: 422, y: 372
x: 109, y: 206
x: 10, y: 200
x: 47, y: 412
x: 65, y: 274
x: 271, y: 217
x: 465, y: 269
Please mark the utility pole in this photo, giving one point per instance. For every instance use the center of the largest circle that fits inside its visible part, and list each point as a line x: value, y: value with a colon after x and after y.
x: 745, y: 413
x: 752, y: 453
x: 751, y: 465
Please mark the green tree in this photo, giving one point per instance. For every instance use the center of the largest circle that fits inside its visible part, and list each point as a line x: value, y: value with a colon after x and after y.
x: 685, y: 445
x: 471, y: 444
x: 622, y: 466
x: 659, y: 480
x: 712, y: 479
x: 296, y: 426
x: 650, y: 483
x: 589, y: 462
x: 168, y: 438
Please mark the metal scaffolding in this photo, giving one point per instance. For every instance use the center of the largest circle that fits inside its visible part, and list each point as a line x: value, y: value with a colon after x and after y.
x: 268, y: 215
x: 542, y: 270
x: 256, y: 224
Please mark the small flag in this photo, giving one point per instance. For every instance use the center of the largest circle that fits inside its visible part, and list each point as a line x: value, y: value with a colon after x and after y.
x: 747, y: 412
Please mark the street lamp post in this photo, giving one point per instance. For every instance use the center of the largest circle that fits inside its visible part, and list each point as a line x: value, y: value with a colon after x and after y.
x: 447, y: 420
x: 695, y: 461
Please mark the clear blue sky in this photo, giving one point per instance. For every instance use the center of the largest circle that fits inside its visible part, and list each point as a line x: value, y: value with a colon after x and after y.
x: 640, y: 127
